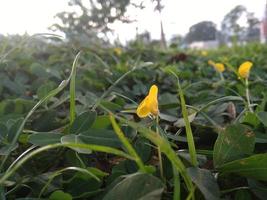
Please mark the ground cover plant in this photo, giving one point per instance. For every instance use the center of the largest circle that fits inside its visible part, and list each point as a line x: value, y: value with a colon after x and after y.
x: 132, y: 123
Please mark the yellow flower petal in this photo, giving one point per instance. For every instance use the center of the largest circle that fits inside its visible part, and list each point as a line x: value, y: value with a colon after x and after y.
x: 150, y: 104
x: 153, y: 92
x: 143, y: 109
x: 244, y: 69
x: 219, y: 67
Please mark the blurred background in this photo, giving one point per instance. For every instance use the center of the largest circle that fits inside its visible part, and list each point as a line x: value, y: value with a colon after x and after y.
x: 182, y: 24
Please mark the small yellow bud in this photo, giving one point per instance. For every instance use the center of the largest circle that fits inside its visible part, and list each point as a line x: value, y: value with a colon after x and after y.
x: 244, y: 69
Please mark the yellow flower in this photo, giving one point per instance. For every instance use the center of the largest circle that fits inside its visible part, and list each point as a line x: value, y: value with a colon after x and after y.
x: 244, y: 69
x: 117, y: 51
x: 218, y: 66
x: 150, y: 104
x: 204, y: 53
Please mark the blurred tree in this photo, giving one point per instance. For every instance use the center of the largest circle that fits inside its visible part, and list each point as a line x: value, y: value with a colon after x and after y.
x: 202, y: 31
x: 231, y: 30
x: 91, y: 21
x: 159, y: 8
x: 234, y: 30
x: 253, y: 29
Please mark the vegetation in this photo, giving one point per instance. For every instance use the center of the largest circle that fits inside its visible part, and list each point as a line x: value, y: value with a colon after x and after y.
x: 69, y: 127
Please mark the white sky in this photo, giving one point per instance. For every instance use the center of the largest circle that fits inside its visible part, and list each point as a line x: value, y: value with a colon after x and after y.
x: 34, y: 16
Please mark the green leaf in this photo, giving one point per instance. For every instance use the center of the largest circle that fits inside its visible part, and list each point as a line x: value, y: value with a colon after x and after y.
x: 263, y: 118
x: 136, y: 186
x: 206, y: 182
x: 83, y: 122
x: 42, y: 139
x: 82, y: 188
x: 251, y: 119
x: 101, y: 122
x: 60, y: 195
x: 143, y: 149
x: 75, y: 139
x: 100, y: 137
x: 110, y: 105
x: 252, y: 167
x: 235, y: 142
x: 45, y: 122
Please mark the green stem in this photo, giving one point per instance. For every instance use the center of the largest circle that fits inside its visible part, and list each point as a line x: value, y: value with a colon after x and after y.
x: 127, y: 144
x: 159, y: 151
x: 191, y: 194
x: 177, y: 184
x: 189, y: 134
x: 72, y: 89
x: 247, y: 95
x: 221, y: 76
x: 234, y: 189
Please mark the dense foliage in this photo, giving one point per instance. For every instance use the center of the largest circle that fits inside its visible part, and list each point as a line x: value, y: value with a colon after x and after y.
x: 81, y: 138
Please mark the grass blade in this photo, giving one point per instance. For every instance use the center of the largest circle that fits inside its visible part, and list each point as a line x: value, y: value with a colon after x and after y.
x: 189, y: 134
x: 72, y: 89
x: 127, y: 144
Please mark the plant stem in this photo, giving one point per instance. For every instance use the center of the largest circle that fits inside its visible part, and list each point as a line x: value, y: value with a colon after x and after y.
x: 189, y: 134
x: 234, y: 189
x: 247, y: 95
x: 221, y: 75
x: 72, y: 90
x: 159, y: 151
x: 177, y: 184
x: 127, y: 144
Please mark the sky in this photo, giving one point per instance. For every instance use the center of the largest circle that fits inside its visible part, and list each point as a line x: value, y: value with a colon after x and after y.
x: 35, y: 16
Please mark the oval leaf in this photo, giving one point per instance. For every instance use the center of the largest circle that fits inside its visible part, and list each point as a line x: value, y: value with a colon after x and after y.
x: 137, y: 186
x: 83, y: 122
x: 42, y: 139
x: 59, y: 195
x: 235, y: 142
x: 262, y: 116
x: 252, y: 167
x: 205, y: 182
